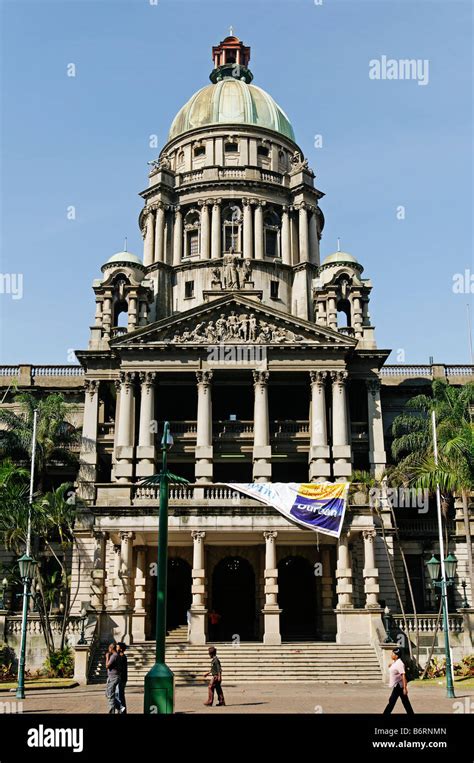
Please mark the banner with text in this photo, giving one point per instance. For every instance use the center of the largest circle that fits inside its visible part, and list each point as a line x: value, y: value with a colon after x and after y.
x: 316, y: 505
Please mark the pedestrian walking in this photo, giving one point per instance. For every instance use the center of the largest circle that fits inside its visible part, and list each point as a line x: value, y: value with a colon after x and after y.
x: 123, y: 678
x: 113, y: 677
x: 215, y: 684
x: 398, y: 684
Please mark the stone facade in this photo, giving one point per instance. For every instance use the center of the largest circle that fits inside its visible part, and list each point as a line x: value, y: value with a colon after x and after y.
x: 264, y: 360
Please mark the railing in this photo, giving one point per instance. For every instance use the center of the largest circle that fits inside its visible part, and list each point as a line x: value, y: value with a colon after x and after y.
x: 9, y: 371
x: 415, y: 371
x: 272, y: 177
x: 346, y: 330
x: 282, y: 428
x: 152, y: 492
x: 437, y: 370
x: 231, y: 172
x: 359, y: 430
x: 106, y: 429
x: 33, y: 627
x: 422, y: 526
x: 460, y: 370
x: 190, y: 177
x: 427, y: 623
x: 183, y: 427
x: 57, y: 371
x: 119, y: 330
x: 232, y: 428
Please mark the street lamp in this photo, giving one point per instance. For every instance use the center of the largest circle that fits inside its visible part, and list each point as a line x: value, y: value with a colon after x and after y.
x: 4, y: 598
x: 82, y: 639
x: 159, y: 681
x: 27, y: 567
x: 448, y: 572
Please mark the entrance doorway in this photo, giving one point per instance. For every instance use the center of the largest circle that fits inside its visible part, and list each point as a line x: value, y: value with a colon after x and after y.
x: 297, y: 598
x: 233, y: 598
x: 179, y: 595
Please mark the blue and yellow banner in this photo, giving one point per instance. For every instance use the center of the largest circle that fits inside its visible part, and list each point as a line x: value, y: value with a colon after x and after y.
x: 319, y: 506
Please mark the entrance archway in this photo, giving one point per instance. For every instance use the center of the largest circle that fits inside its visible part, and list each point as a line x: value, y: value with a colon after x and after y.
x: 233, y: 598
x: 179, y: 595
x: 297, y: 598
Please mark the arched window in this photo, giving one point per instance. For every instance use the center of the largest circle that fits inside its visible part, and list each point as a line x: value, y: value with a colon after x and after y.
x: 180, y: 160
x: 344, y: 313
x: 192, y: 227
x: 271, y: 224
x: 231, y: 228
x: 120, y: 303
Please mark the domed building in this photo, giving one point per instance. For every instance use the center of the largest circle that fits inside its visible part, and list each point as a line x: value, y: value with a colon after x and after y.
x: 263, y: 359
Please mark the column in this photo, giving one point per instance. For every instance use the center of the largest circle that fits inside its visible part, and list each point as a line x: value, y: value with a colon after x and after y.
x: 344, y: 574
x: 126, y: 549
x: 319, y: 462
x: 124, y: 449
x: 116, y: 587
x: 262, y: 452
x: 98, y: 572
x: 149, y: 243
x: 139, y: 611
x: 327, y: 614
x: 259, y: 231
x: 285, y: 237
x: 332, y: 313
x: 341, y: 449
x: 146, y: 454
x: 370, y: 572
x: 177, y: 236
x: 205, y: 240
x: 204, y: 450
x: 377, y: 455
x: 216, y: 232
x: 197, y: 633
x: 357, y: 317
x: 88, y: 455
x: 271, y: 611
x: 303, y: 233
x: 248, y: 232
x: 313, y: 237
x: 160, y: 232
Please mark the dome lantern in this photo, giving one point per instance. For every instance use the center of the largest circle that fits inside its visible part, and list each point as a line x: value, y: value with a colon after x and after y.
x: 231, y: 58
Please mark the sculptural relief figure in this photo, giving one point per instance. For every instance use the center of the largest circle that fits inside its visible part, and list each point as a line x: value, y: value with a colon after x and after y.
x: 247, y: 275
x: 216, y: 275
x: 221, y: 326
x: 243, y: 327
x: 237, y: 328
x: 231, y: 274
x: 252, y: 332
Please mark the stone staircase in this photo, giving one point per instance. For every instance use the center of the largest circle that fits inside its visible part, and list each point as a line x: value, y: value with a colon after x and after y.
x: 256, y: 662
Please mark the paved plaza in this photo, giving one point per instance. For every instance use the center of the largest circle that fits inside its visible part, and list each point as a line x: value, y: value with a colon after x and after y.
x: 262, y: 698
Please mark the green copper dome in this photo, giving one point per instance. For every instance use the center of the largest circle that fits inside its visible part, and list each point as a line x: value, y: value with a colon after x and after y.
x: 231, y: 101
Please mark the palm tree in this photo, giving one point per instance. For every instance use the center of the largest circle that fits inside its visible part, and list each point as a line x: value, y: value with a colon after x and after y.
x: 55, y: 436
x: 413, y: 448
x: 52, y: 521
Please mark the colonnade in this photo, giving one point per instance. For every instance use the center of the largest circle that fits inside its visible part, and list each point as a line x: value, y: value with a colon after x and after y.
x: 126, y: 591
x: 164, y: 231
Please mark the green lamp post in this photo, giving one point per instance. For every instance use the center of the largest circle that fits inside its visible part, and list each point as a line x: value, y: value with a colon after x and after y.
x: 159, y: 681
x: 448, y: 570
x: 27, y: 567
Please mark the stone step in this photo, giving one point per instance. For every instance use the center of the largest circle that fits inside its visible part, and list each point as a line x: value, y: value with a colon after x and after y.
x: 253, y: 661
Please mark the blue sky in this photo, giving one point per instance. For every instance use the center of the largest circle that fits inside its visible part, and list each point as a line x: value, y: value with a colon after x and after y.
x: 84, y: 141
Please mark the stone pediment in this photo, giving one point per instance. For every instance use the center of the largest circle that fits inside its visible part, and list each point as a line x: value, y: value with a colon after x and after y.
x: 233, y: 320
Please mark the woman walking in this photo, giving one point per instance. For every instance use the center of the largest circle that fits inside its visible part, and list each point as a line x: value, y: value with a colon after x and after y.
x: 398, y: 684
